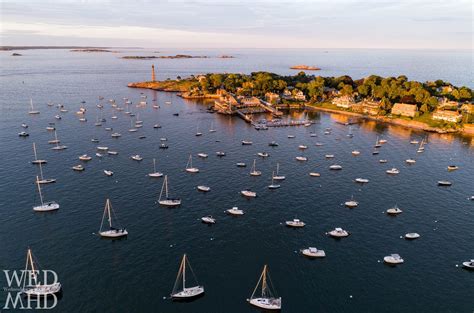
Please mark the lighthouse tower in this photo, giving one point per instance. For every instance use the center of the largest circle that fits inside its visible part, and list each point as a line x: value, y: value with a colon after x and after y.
x: 153, y: 79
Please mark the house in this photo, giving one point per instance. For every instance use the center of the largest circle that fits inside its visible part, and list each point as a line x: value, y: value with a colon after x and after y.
x: 299, y: 95
x: 366, y: 107
x: 286, y: 94
x: 404, y: 109
x: 448, y: 116
x: 446, y: 103
x: 344, y: 102
x: 468, y: 108
x: 272, y: 97
x: 250, y: 101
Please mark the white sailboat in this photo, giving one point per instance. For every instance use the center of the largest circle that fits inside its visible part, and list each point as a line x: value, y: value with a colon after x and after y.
x: 45, y: 206
x: 189, y: 165
x: 185, y: 293
x: 32, y: 110
x: 58, y: 146
x: 45, y: 180
x: 166, y: 200
x: 36, y: 160
x: 278, y: 176
x: 267, y: 300
x: 254, y: 171
x: 30, y: 275
x: 212, y: 130
x: 112, y: 232
x: 155, y: 173
x: 273, y: 185
x: 55, y: 141
x: 198, y: 133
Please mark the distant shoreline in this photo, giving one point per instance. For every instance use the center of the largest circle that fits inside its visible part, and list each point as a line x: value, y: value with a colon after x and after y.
x: 11, y: 48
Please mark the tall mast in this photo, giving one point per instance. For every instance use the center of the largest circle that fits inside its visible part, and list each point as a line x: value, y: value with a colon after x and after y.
x: 41, y: 171
x: 34, y: 150
x: 154, y: 166
x: 184, y: 272
x: 278, y: 168
x: 31, y: 104
x: 264, y: 282
x: 39, y: 189
x: 108, y: 212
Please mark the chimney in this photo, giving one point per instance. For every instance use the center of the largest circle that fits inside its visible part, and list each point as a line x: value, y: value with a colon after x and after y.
x: 153, y: 73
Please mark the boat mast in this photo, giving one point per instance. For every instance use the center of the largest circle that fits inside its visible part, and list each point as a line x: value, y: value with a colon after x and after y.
x: 108, y: 212
x: 34, y: 151
x: 264, y: 282
x: 29, y: 259
x: 162, y: 187
x: 258, y: 283
x: 278, y: 168
x: 31, y: 104
x: 39, y: 189
x: 41, y: 171
x: 184, y: 272
x: 154, y: 166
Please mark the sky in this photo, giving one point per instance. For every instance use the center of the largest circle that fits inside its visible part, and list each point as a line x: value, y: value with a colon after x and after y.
x: 402, y: 24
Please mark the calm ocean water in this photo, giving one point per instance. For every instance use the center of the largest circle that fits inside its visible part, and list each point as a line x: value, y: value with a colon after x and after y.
x: 134, y: 275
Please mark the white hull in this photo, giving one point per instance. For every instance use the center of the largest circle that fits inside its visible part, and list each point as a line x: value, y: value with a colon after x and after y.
x: 235, y: 211
x: 249, y: 194
x: 113, y: 233
x: 188, y: 293
x: 192, y: 170
x: 313, y: 254
x: 266, y: 303
x: 170, y: 203
x: 50, y: 206
x: 156, y: 174
x: 46, y: 181
x: 42, y: 290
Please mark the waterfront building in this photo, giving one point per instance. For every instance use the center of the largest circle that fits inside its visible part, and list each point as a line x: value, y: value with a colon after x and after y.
x: 345, y: 102
x: 448, y: 116
x: 404, y: 109
x: 272, y: 97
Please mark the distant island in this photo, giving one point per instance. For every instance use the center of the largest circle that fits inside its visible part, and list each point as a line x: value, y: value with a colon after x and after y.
x: 436, y: 106
x: 10, y: 48
x: 91, y: 50
x: 177, y: 56
x: 304, y: 67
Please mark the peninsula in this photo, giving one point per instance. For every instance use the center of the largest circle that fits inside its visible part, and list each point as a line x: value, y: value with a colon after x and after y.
x: 432, y: 106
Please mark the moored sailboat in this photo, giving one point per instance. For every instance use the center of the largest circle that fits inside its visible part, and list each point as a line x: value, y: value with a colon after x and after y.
x: 112, y: 232
x: 267, y: 300
x: 185, y: 293
x: 45, y: 206
x: 166, y: 200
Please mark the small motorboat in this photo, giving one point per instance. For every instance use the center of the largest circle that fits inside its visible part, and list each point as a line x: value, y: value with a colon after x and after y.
x: 302, y: 147
x: 375, y: 152
x: 163, y: 139
x: 114, y: 117
x: 444, y: 183
x: 301, y: 158
x: 335, y: 167
x: 136, y: 157
x: 203, y: 188
x: 208, y: 219
x: 412, y: 236
x: 382, y: 141
x: 108, y: 129
x: 83, y: 119
x: 95, y: 140
x: 312, y: 252
x: 295, y: 223
x: 241, y: 164
x: 202, y: 155
x: 291, y: 136
x: 142, y: 137
x: 468, y: 264
x: 157, y: 126
x: 220, y: 153
x: 273, y: 144
x: 263, y: 154
x: 50, y: 128
x: 248, y: 193
x: 318, y: 144
x: 314, y: 174
x: 103, y: 148
x: 112, y: 152
x: 361, y: 180
x: 410, y: 161
x: 246, y: 142
x: 452, y: 167
x: 108, y: 173
x: 351, y: 203
x: 235, y: 211
x: 23, y: 134
x: 393, y: 259
x: 99, y: 155
x: 24, y: 125
x: 58, y: 117
x: 78, y: 168
x: 163, y: 146
x: 85, y: 157
x: 394, y: 210
x: 414, y: 142
x: 393, y: 171
x: 329, y: 156
x: 383, y: 161
x: 115, y: 135
x: 338, y: 233
x: 355, y: 153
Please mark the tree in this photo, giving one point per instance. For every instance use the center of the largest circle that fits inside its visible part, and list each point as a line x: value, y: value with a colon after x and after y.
x: 347, y: 90
x: 316, y: 87
x: 424, y: 108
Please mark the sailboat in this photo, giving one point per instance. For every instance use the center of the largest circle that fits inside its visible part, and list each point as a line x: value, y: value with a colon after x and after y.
x: 198, y: 133
x: 254, y: 171
x: 155, y: 173
x: 189, y: 166
x: 45, y: 180
x: 167, y: 201
x: 55, y: 140
x: 45, y: 206
x: 36, y: 160
x: 377, y: 143
x: 267, y: 300
x: 212, y: 130
x: 185, y: 293
x: 58, y: 147
x: 112, y: 232
x: 278, y: 176
x: 273, y: 185
x: 132, y: 129
x: 31, y: 276
x: 421, y: 148
x: 33, y: 111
